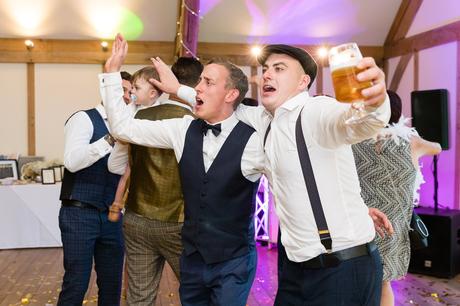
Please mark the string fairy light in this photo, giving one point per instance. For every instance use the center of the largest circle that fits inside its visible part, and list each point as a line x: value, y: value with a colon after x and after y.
x: 192, y: 11
x: 179, y: 42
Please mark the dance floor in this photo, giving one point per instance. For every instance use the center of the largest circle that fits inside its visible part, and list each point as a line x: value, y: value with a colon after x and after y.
x: 33, y: 277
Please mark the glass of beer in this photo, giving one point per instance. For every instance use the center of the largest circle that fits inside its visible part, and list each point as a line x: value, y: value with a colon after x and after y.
x: 343, y: 60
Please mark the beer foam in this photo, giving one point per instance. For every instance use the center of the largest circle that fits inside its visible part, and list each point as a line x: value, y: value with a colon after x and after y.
x: 346, y: 58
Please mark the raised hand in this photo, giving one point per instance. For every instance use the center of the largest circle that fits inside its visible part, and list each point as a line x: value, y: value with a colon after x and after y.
x: 168, y: 82
x: 376, y: 94
x: 119, y: 52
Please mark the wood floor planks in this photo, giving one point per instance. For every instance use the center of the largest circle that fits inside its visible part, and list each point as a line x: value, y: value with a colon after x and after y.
x: 35, y: 276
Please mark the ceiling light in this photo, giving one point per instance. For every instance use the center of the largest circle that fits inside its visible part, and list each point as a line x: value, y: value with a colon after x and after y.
x: 105, y: 46
x: 29, y: 44
x: 322, y: 52
x: 256, y: 51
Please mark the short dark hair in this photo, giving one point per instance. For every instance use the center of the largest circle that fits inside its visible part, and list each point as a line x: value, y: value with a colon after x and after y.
x: 250, y: 102
x: 236, y: 78
x: 395, y: 105
x: 187, y: 70
x: 126, y: 76
x: 146, y: 73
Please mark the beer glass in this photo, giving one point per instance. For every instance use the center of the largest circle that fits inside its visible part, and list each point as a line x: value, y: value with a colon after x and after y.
x: 343, y: 60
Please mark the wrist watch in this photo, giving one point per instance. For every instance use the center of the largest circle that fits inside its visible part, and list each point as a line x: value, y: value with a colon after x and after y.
x: 110, y: 140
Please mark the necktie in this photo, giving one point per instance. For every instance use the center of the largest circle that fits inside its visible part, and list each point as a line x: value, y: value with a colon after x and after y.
x: 215, y: 129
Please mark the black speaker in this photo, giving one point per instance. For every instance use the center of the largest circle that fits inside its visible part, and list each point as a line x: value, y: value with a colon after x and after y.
x: 430, y: 115
x: 442, y: 256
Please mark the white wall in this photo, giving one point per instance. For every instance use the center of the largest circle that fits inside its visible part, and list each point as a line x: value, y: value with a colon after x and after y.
x: 433, y: 14
x: 13, y: 105
x: 61, y: 90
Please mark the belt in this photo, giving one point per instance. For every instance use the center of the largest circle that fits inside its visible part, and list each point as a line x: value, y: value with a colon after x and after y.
x: 334, y: 259
x: 75, y: 203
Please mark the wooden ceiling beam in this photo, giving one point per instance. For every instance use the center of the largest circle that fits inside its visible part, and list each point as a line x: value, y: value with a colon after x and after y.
x: 439, y: 36
x: 79, y: 51
x: 139, y: 53
x: 403, y: 20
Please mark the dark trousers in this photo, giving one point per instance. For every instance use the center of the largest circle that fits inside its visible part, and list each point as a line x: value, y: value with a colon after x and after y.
x: 86, y: 234
x: 281, y: 255
x: 225, y: 284
x: 355, y: 282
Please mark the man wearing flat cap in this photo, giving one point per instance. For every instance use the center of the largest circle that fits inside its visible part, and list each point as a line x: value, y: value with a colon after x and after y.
x: 327, y: 230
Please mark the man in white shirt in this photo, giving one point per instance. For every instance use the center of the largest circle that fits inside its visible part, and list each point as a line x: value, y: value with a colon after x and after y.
x: 220, y: 163
x: 88, y: 189
x: 155, y: 204
x: 352, y: 274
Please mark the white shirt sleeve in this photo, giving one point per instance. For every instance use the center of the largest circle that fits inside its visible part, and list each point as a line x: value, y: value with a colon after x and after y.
x: 325, y: 118
x: 188, y: 94
x: 78, y: 152
x: 252, y: 161
x: 165, y: 134
x: 118, y: 158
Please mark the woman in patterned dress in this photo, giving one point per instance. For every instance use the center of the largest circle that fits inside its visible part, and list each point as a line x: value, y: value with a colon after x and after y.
x: 389, y: 175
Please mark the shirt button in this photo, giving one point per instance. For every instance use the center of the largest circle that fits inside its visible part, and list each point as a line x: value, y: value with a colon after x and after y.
x: 203, y: 194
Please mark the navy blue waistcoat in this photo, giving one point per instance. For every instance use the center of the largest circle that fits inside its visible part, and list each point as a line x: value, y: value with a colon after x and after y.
x: 93, y: 185
x: 219, y: 204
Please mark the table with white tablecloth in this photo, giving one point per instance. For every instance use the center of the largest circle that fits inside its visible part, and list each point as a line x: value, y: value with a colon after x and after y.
x: 29, y: 216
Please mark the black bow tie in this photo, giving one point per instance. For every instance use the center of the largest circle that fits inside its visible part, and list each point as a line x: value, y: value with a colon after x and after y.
x: 215, y: 129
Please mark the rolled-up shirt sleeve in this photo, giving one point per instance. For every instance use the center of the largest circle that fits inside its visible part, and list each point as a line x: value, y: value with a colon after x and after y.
x: 79, y: 153
x: 326, y: 119
x: 118, y: 158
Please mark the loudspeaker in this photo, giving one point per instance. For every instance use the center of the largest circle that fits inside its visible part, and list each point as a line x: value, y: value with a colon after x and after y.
x: 442, y: 256
x: 430, y: 115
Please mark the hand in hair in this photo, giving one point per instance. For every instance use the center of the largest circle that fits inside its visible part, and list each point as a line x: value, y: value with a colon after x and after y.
x: 168, y: 82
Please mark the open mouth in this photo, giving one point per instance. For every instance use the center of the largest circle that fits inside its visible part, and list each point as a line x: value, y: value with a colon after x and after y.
x: 268, y: 88
x: 199, y: 101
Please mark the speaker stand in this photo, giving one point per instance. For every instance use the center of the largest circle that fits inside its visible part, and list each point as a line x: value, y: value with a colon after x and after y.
x: 435, y: 176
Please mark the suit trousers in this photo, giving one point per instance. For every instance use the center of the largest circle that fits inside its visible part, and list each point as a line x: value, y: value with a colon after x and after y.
x: 149, y: 243
x: 87, y: 234
x: 354, y: 282
x: 225, y: 283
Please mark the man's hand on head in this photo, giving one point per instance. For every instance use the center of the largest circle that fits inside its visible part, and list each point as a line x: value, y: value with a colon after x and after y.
x: 376, y: 94
x: 119, y: 52
x: 168, y: 82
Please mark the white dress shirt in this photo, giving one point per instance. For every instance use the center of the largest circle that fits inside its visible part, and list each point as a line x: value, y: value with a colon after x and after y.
x: 171, y: 133
x: 328, y: 140
x: 78, y: 152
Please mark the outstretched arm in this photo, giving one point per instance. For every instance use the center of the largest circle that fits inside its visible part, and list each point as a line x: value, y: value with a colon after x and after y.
x: 421, y: 147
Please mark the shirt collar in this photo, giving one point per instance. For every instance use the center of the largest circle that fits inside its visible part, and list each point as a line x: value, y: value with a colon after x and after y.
x: 295, y: 101
x: 176, y: 103
x: 227, y: 124
x: 100, y: 108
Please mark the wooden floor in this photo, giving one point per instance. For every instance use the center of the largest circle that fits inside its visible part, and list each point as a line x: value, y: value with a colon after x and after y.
x: 33, y: 277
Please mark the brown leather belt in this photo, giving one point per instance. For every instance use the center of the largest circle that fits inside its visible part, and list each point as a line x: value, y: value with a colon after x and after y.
x: 75, y: 203
x: 334, y: 259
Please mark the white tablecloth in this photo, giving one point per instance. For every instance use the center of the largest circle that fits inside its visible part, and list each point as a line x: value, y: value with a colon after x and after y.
x: 29, y: 216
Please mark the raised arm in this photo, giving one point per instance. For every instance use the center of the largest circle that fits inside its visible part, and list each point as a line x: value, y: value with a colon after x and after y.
x: 167, y: 134
x: 421, y: 147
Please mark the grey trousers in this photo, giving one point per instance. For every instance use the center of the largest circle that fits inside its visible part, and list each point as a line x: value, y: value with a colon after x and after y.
x: 149, y: 243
